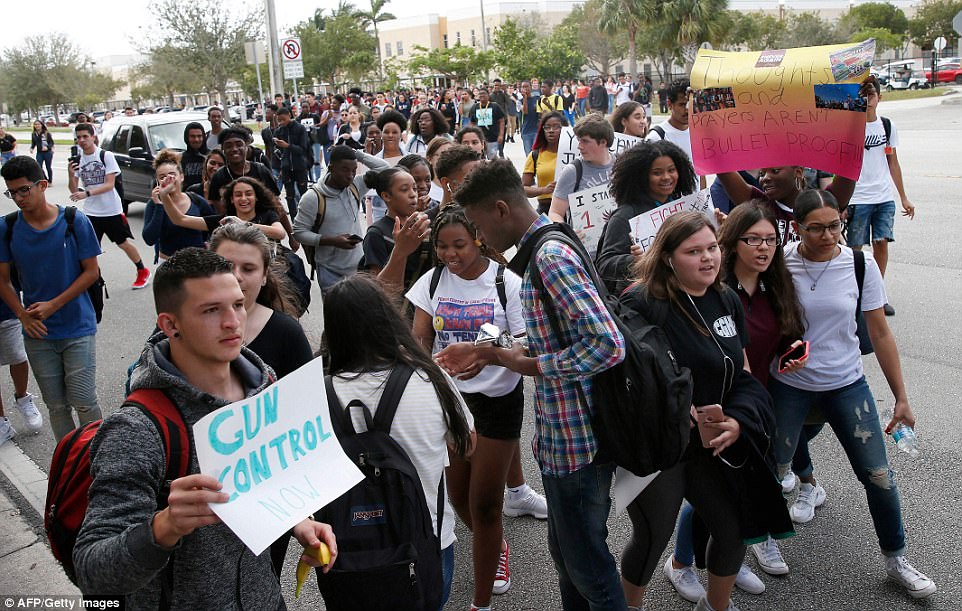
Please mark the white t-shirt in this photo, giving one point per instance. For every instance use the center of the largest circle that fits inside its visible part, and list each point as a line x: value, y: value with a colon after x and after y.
x: 673, y: 135
x: 419, y: 427
x: 624, y: 94
x: 93, y: 173
x: 460, y: 307
x: 875, y: 184
x: 834, y: 360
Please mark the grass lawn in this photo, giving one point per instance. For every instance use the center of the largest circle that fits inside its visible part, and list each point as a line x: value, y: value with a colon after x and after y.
x: 908, y: 94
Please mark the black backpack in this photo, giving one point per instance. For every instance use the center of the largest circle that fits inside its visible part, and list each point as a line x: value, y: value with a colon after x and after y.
x: 642, y: 405
x: 498, y: 284
x: 96, y: 291
x: 389, y: 556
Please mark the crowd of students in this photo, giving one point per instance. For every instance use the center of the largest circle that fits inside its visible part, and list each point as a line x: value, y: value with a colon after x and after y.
x: 731, y: 294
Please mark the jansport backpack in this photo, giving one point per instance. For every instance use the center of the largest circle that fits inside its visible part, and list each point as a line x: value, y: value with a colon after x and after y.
x: 389, y: 556
x: 69, y: 479
x: 642, y: 405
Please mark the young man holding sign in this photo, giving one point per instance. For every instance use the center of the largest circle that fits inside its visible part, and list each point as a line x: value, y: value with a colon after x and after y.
x: 166, y: 548
x: 591, y: 169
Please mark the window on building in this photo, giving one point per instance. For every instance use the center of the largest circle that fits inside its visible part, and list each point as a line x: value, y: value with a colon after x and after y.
x: 457, y: 38
x: 619, y: 68
x: 387, y: 49
x: 487, y: 36
x: 400, y: 48
x: 474, y: 41
x: 445, y: 41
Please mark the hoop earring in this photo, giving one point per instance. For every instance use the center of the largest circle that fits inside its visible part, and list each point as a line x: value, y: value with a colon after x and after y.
x: 799, y: 183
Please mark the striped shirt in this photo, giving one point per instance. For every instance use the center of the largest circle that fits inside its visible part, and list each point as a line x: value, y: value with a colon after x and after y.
x: 590, y: 343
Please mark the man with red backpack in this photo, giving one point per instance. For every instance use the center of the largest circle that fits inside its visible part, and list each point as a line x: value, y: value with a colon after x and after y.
x: 163, y: 547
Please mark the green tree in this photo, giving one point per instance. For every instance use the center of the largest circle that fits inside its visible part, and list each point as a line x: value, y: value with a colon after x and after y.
x: 513, y: 46
x: 809, y: 30
x: 757, y: 30
x: 376, y: 15
x: 933, y: 19
x: 95, y: 88
x: 599, y: 48
x: 875, y: 15
x: 628, y: 16
x: 208, y: 40
x: 43, y: 70
x: 521, y: 51
x: 340, y: 52
x: 459, y: 63
x: 884, y: 39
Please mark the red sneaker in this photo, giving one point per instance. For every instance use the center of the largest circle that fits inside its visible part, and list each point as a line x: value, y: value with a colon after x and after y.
x: 143, y: 279
x: 502, y: 577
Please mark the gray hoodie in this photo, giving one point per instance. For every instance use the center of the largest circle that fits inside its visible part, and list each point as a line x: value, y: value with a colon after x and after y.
x: 342, y: 216
x: 116, y: 552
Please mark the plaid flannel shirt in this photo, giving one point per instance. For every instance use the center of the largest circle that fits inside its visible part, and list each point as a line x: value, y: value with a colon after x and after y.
x: 590, y: 343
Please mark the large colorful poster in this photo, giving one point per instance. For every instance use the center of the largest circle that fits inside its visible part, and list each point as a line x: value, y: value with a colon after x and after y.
x: 781, y: 107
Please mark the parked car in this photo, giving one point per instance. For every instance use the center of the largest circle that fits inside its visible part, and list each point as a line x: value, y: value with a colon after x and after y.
x: 947, y: 72
x: 135, y: 141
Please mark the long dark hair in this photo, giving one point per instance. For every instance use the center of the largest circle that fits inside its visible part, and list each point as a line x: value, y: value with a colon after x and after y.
x: 541, y: 141
x: 629, y: 175
x: 777, y: 279
x: 264, y: 198
x: 622, y: 112
x: 382, y: 342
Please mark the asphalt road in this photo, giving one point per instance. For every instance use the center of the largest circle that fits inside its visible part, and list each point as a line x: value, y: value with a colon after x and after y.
x: 834, y: 560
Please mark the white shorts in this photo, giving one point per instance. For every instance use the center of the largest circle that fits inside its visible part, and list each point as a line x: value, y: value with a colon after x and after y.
x: 11, y: 343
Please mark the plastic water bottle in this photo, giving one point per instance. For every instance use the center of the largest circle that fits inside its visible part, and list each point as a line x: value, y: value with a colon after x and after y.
x: 905, y: 439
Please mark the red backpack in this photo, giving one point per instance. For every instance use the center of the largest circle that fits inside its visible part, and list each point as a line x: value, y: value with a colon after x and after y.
x: 69, y: 479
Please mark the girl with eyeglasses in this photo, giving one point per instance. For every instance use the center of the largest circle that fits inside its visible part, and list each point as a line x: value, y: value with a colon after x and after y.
x: 539, y: 167
x: 824, y: 274
x: 729, y: 479
x: 754, y: 266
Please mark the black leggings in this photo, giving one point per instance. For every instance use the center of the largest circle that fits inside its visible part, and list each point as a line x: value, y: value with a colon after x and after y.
x: 700, y: 480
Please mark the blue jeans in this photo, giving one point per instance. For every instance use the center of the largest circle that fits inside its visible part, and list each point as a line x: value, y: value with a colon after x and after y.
x: 578, y: 507
x: 869, y: 223
x: 447, y: 572
x: 46, y: 159
x: 315, y: 173
x: 527, y: 140
x: 684, y: 542
x: 5, y: 157
x: 582, y: 104
x: 851, y: 413
x: 66, y: 372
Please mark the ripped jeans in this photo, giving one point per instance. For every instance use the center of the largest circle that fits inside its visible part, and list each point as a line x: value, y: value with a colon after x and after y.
x: 851, y: 413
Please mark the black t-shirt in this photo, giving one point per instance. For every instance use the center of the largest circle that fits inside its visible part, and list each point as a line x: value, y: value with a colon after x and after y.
x: 193, y: 164
x: 488, y: 124
x: 282, y: 344
x: 726, y: 322
x: 379, y: 243
x: 223, y: 177
x: 450, y: 112
x: 7, y: 143
x: 261, y: 218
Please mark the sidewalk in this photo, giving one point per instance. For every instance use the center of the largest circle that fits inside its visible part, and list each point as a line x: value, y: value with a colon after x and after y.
x: 26, y: 565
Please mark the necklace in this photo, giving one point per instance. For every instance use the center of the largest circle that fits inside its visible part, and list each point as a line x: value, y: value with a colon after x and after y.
x: 231, y: 174
x: 815, y: 280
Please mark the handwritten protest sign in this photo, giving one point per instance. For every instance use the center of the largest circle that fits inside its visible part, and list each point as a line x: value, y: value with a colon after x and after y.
x: 568, y: 147
x: 590, y: 209
x: 783, y: 107
x: 645, y: 225
x: 276, y: 455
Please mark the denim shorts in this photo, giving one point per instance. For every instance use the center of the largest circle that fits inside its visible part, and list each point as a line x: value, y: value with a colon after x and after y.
x: 869, y: 223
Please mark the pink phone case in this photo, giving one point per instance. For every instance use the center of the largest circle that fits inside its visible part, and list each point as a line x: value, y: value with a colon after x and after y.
x: 706, y: 414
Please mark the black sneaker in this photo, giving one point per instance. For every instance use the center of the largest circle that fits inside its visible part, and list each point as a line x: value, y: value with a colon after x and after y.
x: 889, y: 310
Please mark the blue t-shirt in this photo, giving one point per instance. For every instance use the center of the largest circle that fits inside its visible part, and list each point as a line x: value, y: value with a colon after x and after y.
x: 530, y: 116
x: 48, y: 262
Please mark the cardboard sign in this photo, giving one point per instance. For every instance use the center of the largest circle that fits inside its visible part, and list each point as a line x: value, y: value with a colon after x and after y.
x: 645, y: 226
x: 590, y: 210
x: 276, y: 455
x: 568, y: 147
x: 772, y: 108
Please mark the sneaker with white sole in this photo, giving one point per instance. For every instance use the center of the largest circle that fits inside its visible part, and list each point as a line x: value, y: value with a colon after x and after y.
x: 770, y: 557
x: 31, y: 415
x: 7, y: 432
x: 531, y: 504
x: 788, y: 482
x: 685, y: 581
x: 809, y: 497
x: 748, y: 581
x: 502, y: 577
x: 142, y: 280
x: 704, y: 606
x: 914, y: 582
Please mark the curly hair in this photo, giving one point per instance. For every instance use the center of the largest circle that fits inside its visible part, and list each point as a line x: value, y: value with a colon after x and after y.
x: 469, y: 129
x: 392, y: 116
x: 264, y: 198
x: 453, y: 158
x: 277, y: 293
x: 777, y: 278
x: 440, y: 122
x: 167, y: 157
x: 629, y: 175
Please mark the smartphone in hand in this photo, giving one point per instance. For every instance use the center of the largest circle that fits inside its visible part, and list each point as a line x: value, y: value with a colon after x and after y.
x: 798, y: 352
x: 705, y: 415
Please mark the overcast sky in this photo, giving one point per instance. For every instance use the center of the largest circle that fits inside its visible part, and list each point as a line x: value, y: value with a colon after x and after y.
x: 108, y: 27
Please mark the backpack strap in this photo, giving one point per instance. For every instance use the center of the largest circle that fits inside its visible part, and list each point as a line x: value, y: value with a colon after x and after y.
x: 321, y: 209
x: 69, y: 214
x: 435, y: 280
x: 534, y: 161
x: 659, y: 130
x: 10, y: 219
x: 887, y: 126
x: 502, y: 291
x: 579, y: 173
x: 859, y: 258
x: 391, y: 397
x: 161, y: 411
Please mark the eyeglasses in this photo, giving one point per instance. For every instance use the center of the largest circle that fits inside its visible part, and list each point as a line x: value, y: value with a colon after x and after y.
x: 22, y: 191
x: 833, y: 228
x: 755, y: 241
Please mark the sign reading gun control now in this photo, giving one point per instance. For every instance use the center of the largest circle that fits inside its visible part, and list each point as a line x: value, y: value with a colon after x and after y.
x: 276, y: 456
x: 780, y: 107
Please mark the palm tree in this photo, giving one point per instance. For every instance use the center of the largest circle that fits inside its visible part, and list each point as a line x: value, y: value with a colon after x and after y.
x: 629, y: 16
x: 373, y: 17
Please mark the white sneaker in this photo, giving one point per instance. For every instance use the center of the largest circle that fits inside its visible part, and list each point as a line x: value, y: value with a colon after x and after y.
x: 914, y: 582
x: 809, y: 497
x: 531, y: 504
x: 788, y: 482
x: 31, y: 415
x: 7, y: 432
x: 748, y: 581
x: 685, y: 581
x: 704, y: 606
x: 769, y: 557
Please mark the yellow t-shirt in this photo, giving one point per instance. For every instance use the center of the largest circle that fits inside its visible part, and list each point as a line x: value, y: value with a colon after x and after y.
x: 545, y: 173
